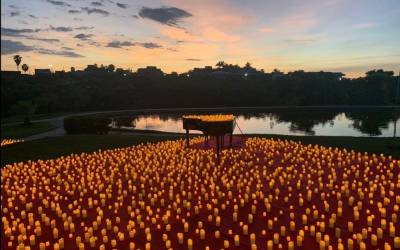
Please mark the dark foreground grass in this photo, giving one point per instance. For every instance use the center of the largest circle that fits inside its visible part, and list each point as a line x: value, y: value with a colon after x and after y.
x: 55, y: 147
x: 65, y: 145
x: 16, y: 119
x: 19, y: 131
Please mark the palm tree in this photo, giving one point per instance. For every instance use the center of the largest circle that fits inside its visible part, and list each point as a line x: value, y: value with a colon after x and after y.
x: 17, y: 60
x: 25, y: 67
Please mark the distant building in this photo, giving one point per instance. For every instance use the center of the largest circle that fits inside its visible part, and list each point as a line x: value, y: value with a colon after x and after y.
x: 150, y: 72
x: 10, y: 73
x: 42, y: 72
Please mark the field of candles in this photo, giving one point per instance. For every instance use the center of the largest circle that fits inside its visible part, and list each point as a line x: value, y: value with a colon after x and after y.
x: 262, y: 194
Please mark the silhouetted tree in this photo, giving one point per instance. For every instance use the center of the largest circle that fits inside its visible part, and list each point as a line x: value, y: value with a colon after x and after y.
x: 221, y: 64
x: 111, y: 68
x: 25, y: 67
x: 17, y: 60
x: 26, y: 109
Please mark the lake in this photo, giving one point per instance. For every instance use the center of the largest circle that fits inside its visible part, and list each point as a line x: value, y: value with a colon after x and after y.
x: 382, y: 122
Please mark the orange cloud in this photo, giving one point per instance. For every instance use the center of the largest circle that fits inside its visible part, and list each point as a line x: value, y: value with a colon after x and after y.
x: 265, y: 30
x: 215, y: 35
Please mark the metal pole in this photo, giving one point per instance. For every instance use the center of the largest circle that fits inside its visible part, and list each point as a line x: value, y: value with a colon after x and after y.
x: 396, y: 104
x: 397, y: 90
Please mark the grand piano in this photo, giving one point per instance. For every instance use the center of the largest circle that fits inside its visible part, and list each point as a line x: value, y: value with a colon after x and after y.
x: 211, y: 125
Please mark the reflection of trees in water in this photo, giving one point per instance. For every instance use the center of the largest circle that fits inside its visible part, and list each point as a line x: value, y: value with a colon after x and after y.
x: 367, y: 121
x: 372, y: 122
x: 125, y: 121
x: 304, y: 121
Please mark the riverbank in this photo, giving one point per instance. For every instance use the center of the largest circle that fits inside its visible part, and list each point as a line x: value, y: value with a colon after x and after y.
x: 49, y: 148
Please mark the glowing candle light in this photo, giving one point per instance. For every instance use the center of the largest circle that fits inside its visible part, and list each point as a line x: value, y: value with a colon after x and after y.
x: 350, y: 244
x: 270, y: 245
x: 190, y: 244
x: 396, y: 242
x: 236, y: 240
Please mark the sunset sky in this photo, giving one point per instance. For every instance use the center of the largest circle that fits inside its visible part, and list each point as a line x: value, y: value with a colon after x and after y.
x: 176, y: 35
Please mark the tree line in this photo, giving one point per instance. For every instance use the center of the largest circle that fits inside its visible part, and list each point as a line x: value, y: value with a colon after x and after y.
x: 107, y: 88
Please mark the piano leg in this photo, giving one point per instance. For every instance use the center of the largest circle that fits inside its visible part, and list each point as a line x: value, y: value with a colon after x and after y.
x: 230, y: 139
x: 187, y: 137
x: 222, y: 140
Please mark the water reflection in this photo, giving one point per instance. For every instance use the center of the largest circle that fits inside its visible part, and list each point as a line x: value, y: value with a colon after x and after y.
x: 365, y: 122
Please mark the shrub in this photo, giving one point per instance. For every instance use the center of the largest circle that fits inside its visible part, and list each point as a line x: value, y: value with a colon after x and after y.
x: 86, y: 125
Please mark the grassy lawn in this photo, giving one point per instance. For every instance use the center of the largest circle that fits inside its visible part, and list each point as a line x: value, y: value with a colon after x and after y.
x: 14, y: 119
x: 58, y: 146
x: 19, y: 131
x: 55, y: 147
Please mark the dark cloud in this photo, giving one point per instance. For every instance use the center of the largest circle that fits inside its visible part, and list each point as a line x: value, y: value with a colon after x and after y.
x: 119, y: 44
x: 74, y: 11
x: 165, y: 15
x: 85, y: 28
x: 82, y: 36
x: 148, y: 45
x: 97, y: 4
x: 12, y: 6
x: 69, y: 29
x: 66, y: 53
x: 26, y: 33
x: 17, y: 32
x: 47, y: 40
x: 59, y: 3
x: 135, y: 16
x: 14, y: 13
x: 67, y: 48
x: 11, y: 47
x: 121, y: 5
x: 193, y: 59
x: 32, y: 16
x: 95, y: 11
x: 61, y: 29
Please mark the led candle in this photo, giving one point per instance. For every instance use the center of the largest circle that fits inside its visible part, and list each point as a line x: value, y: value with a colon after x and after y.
x: 202, y: 234
x: 350, y: 244
x: 226, y: 244
x: 270, y: 245
x: 252, y: 238
x: 396, y: 242
x: 299, y: 240
x: 180, y: 238
x: 276, y: 238
x: 190, y: 244
x: 236, y: 240
x: 322, y: 245
x: 32, y: 240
